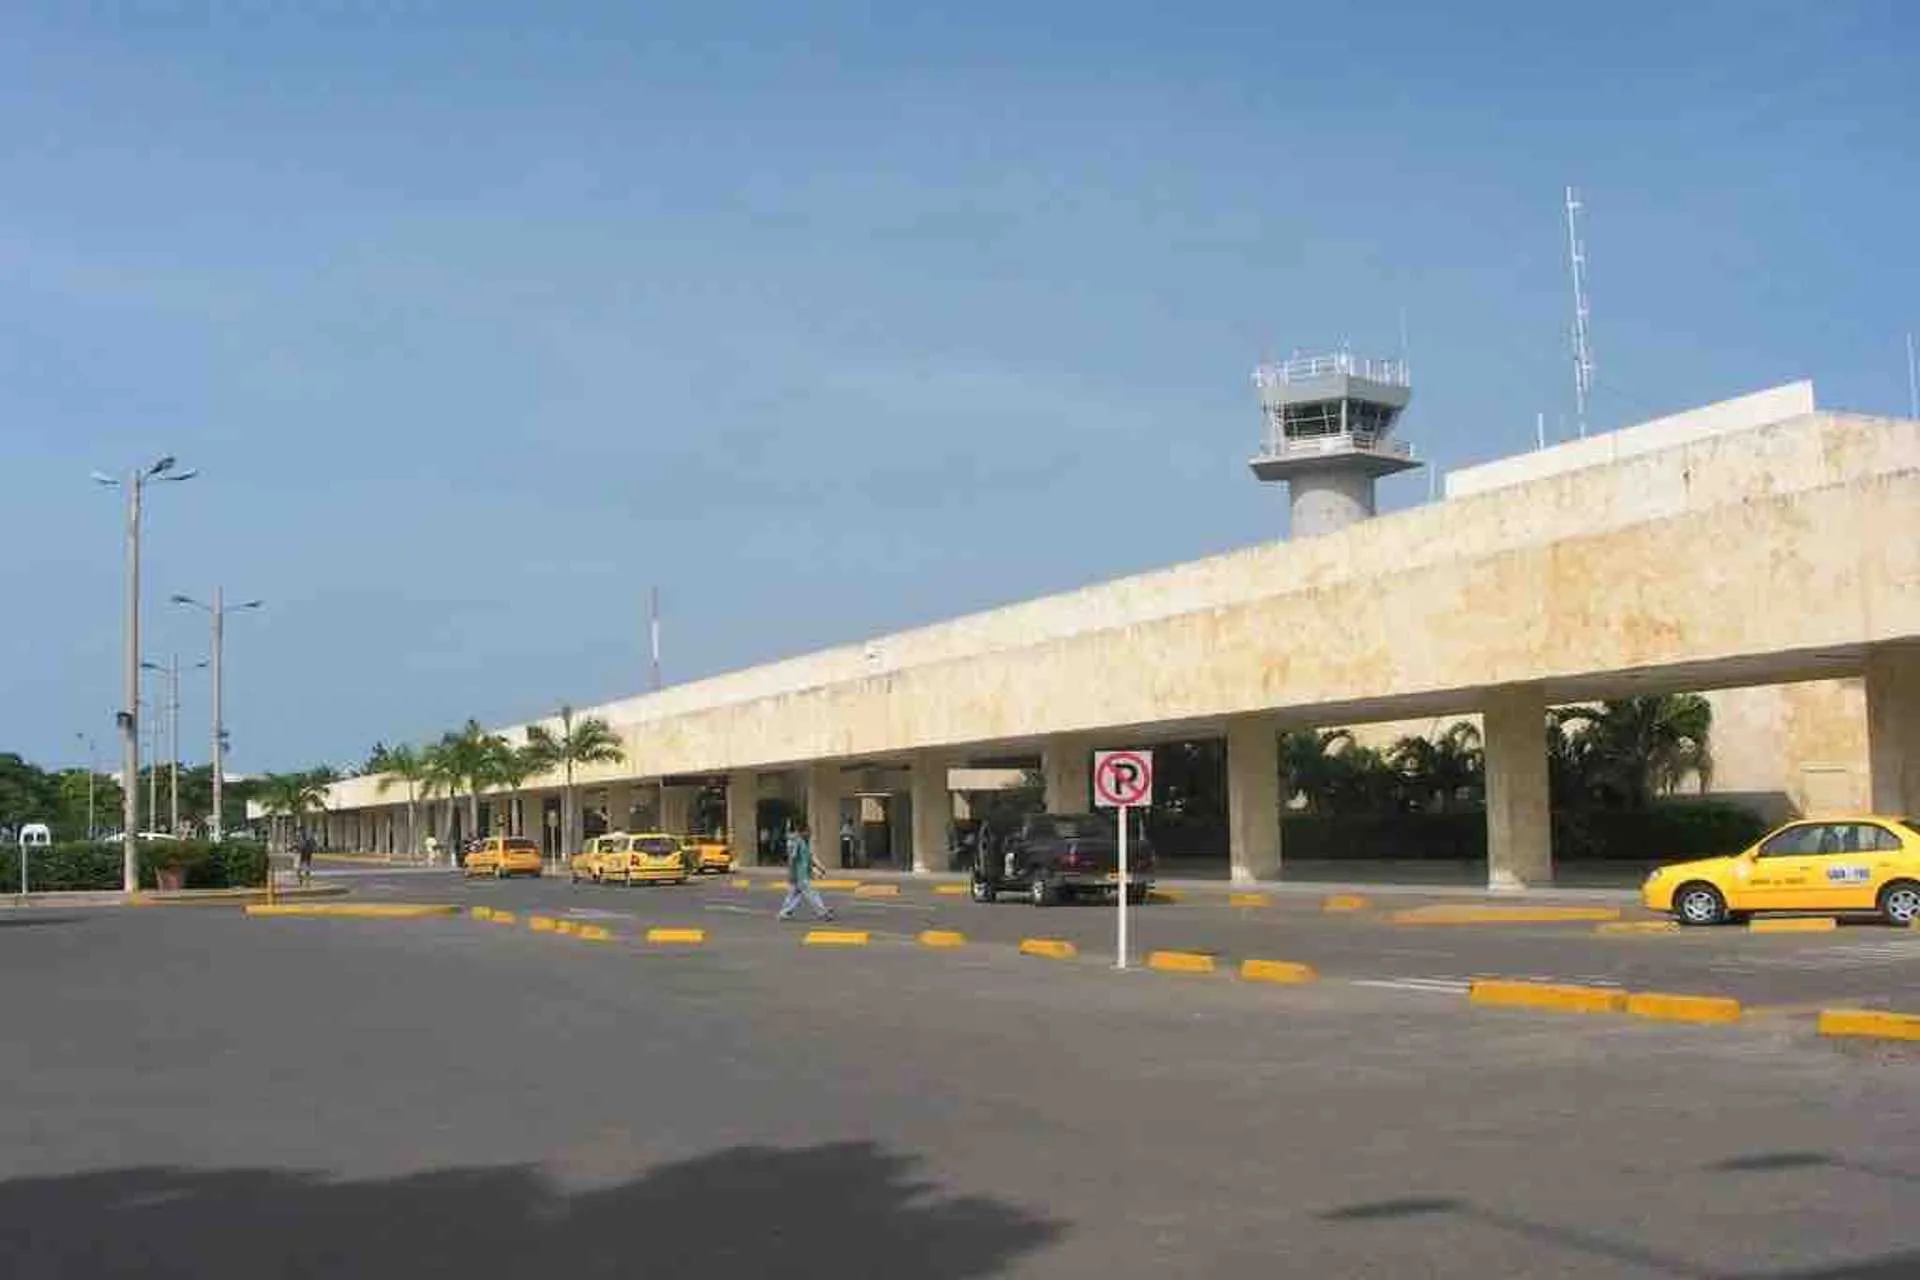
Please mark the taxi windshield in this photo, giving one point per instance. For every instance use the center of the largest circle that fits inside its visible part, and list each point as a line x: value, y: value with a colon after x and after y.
x: 522, y: 846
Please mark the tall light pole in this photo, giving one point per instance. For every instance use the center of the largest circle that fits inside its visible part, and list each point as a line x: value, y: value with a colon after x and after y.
x: 91, y: 771
x: 134, y: 483
x: 219, y: 611
x: 172, y: 673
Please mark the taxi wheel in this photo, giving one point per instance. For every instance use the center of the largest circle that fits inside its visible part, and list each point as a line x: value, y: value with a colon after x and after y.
x: 500, y: 873
x: 1900, y: 902
x: 1699, y: 904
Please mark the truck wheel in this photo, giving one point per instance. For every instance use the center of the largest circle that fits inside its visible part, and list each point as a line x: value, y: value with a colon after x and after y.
x: 1137, y: 895
x: 1042, y: 893
x: 983, y: 891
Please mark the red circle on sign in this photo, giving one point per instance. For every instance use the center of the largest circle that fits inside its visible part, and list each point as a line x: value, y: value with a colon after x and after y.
x: 1124, y: 778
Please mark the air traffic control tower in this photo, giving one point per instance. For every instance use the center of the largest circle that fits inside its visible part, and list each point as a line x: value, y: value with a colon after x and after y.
x: 1329, y: 435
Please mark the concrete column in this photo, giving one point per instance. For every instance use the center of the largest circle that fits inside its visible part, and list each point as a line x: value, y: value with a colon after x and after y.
x: 932, y: 807
x: 1253, y: 798
x: 619, y: 805
x: 1519, y: 816
x: 743, y: 817
x: 1893, y: 730
x: 823, y: 811
x: 676, y: 808
x: 1066, y: 764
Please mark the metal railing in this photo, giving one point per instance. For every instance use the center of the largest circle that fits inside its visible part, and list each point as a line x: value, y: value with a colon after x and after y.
x: 1307, y: 368
x: 1281, y: 446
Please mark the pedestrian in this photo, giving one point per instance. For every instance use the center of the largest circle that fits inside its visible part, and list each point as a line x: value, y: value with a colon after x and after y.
x: 846, y: 843
x: 801, y: 868
x: 306, y: 856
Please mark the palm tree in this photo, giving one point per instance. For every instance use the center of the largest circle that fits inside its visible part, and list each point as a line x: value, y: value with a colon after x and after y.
x: 405, y: 765
x: 1446, y: 769
x: 1309, y: 765
x: 592, y: 741
x: 1630, y: 750
x: 462, y: 763
x: 508, y: 768
x: 292, y: 796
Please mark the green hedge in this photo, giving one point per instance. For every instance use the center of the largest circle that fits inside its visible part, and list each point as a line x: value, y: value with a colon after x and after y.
x: 80, y: 865
x: 1667, y: 832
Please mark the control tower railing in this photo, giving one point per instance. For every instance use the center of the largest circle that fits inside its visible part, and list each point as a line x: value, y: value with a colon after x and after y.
x: 1277, y: 445
x: 1282, y: 373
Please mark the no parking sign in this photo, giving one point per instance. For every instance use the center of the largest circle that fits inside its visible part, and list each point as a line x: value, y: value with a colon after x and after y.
x: 1122, y: 780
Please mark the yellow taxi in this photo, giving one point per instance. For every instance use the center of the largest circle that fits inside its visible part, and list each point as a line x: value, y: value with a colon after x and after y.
x: 709, y: 854
x: 503, y: 856
x: 652, y: 857
x: 1863, y: 863
x: 598, y: 850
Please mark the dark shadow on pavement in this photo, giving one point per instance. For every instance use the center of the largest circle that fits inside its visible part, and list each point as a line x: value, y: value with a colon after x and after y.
x: 32, y: 921
x: 845, y: 1209
x: 1905, y: 1264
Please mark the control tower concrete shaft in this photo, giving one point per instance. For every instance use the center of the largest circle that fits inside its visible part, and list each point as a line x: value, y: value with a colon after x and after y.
x: 1329, y: 427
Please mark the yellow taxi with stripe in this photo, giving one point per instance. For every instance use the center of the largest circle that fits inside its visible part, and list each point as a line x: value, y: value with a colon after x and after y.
x: 503, y: 856
x: 651, y: 857
x: 594, y: 855
x: 1866, y: 863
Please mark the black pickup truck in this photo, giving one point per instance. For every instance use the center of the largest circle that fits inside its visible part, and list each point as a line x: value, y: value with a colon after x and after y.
x: 1050, y: 857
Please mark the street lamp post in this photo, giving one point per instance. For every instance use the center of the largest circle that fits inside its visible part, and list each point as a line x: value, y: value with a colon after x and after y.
x: 219, y: 612
x: 135, y: 483
x: 172, y: 672
x: 91, y: 771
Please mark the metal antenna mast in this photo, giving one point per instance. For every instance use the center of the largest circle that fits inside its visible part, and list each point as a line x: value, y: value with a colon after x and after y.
x: 1582, y: 353
x: 653, y: 632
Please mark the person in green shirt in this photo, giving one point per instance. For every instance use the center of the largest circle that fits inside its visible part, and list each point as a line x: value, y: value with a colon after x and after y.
x: 800, y: 872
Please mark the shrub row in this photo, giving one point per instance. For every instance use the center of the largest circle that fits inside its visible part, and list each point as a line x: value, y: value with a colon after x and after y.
x: 1661, y: 833
x: 81, y: 865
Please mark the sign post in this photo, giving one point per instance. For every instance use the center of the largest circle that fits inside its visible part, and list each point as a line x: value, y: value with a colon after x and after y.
x: 1122, y: 780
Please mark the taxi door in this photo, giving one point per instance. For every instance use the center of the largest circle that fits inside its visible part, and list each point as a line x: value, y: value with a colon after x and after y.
x: 1864, y: 857
x: 1783, y: 871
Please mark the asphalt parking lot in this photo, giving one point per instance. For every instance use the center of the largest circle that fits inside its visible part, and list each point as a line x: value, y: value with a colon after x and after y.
x: 193, y: 1092
x: 1861, y: 964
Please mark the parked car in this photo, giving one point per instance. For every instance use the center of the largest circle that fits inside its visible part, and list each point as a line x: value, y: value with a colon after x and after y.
x: 503, y: 856
x: 1054, y: 856
x: 652, y: 857
x: 594, y: 855
x: 709, y: 854
x: 1864, y: 863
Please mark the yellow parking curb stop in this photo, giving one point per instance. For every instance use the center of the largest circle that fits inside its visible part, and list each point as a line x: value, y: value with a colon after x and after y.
x: 1545, y: 995
x: 1870, y: 1023
x: 677, y: 937
x: 501, y: 917
x: 877, y: 891
x: 1165, y: 895
x: 942, y: 938
x: 1344, y: 902
x: 1281, y: 971
x: 1793, y: 924
x: 482, y: 913
x: 566, y: 926
x: 1180, y: 962
x: 541, y: 924
x: 1048, y: 948
x: 1638, y: 926
x: 1249, y: 900
x: 835, y: 938
x: 834, y: 884
x: 950, y: 890
x: 1672, y: 1008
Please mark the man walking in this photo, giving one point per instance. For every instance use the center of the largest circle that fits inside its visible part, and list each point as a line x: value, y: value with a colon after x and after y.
x: 800, y: 872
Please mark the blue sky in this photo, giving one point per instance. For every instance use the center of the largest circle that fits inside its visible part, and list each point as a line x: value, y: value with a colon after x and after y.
x: 834, y: 319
